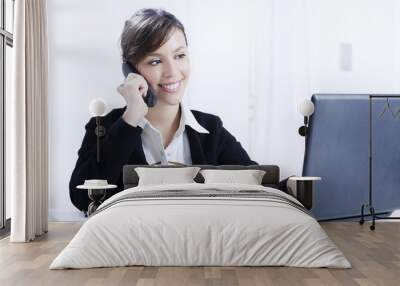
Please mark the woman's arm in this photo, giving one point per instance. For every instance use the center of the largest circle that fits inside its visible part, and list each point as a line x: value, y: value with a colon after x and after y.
x: 116, y: 148
x: 230, y: 151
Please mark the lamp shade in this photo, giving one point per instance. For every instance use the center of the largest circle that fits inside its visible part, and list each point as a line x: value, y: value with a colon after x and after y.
x: 306, y: 107
x: 97, y: 107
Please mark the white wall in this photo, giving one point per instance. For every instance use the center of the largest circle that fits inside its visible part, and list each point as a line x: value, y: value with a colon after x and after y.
x: 372, y: 28
x: 251, y: 65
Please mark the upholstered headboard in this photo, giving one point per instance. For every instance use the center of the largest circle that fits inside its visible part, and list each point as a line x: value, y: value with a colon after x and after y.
x: 270, y: 179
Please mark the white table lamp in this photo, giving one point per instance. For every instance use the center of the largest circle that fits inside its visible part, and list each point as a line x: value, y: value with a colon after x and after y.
x: 97, y: 108
x: 306, y: 108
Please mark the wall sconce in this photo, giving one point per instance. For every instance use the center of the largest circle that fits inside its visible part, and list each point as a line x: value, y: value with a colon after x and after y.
x: 306, y: 108
x: 97, y: 108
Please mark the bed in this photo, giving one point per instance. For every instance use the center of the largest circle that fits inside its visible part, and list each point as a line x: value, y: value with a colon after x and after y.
x: 201, y: 224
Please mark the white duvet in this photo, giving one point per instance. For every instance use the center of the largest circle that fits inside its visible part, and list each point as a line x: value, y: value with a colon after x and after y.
x: 200, y: 231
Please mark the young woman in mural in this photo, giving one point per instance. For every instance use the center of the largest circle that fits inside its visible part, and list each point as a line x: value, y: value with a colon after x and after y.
x: 154, y: 45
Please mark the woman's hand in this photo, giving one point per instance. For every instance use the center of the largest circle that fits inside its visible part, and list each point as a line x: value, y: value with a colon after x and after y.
x: 133, y: 90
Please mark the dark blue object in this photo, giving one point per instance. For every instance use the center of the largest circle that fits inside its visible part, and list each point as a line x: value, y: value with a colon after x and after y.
x: 338, y: 150
x: 150, y: 99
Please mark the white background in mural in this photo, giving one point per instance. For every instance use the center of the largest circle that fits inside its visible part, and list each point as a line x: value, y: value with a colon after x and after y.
x: 252, y: 63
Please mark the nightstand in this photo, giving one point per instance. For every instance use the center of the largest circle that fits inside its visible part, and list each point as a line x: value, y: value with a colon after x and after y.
x: 96, y: 192
x: 302, y: 189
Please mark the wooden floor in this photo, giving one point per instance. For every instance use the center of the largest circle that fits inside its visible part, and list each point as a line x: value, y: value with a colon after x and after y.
x: 374, y: 255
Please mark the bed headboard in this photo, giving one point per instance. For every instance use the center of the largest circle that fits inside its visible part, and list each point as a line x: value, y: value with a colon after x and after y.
x: 270, y: 179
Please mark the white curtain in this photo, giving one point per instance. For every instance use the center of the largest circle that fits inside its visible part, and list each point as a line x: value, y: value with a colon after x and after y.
x: 281, y: 78
x: 27, y: 123
x: 260, y: 71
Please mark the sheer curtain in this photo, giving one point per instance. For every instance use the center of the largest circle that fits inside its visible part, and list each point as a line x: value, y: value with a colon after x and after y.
x: 281, y: 76
x: 27, y: 123
x: 259, y: 54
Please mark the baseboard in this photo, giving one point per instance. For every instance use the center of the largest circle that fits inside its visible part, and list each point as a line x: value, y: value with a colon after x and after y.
x: 66, y: 215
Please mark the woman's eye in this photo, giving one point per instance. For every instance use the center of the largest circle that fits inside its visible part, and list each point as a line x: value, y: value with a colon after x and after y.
x: 153, y: 63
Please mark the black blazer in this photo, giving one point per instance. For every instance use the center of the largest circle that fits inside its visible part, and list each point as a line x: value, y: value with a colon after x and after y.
x: 122, y: 145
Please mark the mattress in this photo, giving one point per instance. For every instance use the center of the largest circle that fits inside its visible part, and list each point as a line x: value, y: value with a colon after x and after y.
x: 201, y: 225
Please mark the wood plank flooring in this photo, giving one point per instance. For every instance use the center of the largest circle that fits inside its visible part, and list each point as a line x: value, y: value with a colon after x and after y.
x: 374, y: 255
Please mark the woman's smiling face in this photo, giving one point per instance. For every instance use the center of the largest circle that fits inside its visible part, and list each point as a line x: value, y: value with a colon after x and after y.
x: 167, y: 69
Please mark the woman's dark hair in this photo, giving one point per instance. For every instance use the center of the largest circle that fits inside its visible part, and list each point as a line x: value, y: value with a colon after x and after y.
x: 146, y: 31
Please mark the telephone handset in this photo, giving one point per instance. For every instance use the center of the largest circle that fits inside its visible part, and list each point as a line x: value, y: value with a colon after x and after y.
x: 150, y: 99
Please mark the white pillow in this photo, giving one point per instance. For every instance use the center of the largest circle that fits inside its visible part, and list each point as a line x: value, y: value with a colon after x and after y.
x: 162, y: 176
x: 249, y: 177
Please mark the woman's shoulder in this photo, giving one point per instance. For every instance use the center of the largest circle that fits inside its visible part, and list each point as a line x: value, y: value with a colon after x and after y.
x: 112, y: 116
x: 209, y: 121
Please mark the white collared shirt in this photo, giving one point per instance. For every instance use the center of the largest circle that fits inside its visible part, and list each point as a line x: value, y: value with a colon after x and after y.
x: 178, y: 150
